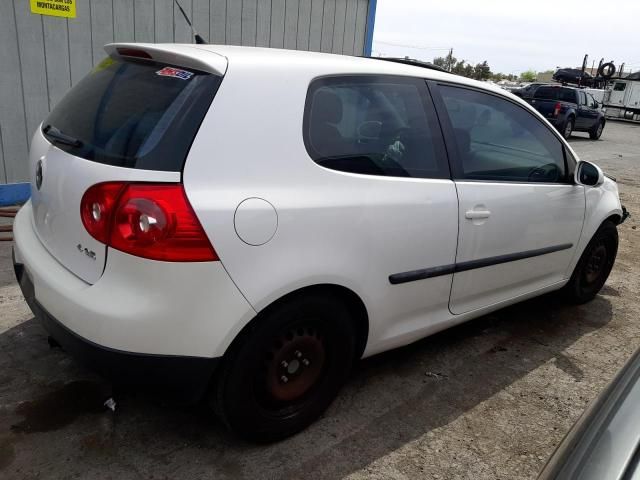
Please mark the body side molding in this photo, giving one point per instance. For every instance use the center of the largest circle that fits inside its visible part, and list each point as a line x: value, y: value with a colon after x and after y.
x: 413, y: 275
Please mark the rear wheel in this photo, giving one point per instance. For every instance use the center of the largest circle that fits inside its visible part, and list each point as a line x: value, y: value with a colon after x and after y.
x: 568, y: 128
x: 284, y: 372
x: 596, y: 132
x: 594, y: 265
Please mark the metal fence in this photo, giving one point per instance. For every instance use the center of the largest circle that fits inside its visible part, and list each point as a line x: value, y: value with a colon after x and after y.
x: 41, y: 57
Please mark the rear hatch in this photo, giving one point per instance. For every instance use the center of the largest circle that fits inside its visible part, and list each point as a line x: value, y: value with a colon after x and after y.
x: 133, y: 118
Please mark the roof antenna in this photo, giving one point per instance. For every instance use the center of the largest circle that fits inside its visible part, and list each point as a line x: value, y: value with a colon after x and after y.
x: 199, y: 39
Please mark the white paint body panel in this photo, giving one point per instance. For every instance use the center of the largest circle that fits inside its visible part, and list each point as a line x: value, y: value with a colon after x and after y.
x: 137, y: 305
x: 255, y: 221
x: 332, y: 227
x: 524, y: 217
x: 56, y: 205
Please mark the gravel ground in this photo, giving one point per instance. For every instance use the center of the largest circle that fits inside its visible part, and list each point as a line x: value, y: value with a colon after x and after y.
x: 486, y: 400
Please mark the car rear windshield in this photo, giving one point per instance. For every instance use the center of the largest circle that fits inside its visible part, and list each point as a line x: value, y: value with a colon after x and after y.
x: 133, y: 113
x: 555, y: 93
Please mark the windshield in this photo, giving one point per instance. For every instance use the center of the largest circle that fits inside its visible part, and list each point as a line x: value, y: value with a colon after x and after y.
x: 135, y: 114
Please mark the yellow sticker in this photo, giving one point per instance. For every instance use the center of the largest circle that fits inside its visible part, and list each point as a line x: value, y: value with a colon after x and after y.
x: 57, y: 8
x: 106, y: 63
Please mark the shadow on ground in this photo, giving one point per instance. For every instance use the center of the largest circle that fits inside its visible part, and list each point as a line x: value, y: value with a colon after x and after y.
x: 53, y: 424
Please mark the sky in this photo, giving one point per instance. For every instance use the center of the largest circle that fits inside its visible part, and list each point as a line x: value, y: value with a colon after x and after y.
x: 512, y: 35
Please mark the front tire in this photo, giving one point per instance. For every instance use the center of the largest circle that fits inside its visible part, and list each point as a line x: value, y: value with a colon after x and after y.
x: 596, y: 132
x: 594, y: 265
x: 286, y: 370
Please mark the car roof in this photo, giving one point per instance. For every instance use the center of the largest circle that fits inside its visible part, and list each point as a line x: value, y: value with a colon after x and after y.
x: 278, y: 58
x: 217, y: 59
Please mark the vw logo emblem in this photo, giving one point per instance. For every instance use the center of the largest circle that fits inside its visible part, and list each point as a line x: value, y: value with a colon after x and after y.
x: 39, y: 174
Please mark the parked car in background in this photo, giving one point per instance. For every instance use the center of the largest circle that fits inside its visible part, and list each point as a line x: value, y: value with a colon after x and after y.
x: 527, y: 91
x: 569, y: 110
x: 248, y: 241
x: 604, y: 444
x: 573, y: 76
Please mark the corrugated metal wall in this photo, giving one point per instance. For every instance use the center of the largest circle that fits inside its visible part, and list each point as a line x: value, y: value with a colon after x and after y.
x: 42, y: 56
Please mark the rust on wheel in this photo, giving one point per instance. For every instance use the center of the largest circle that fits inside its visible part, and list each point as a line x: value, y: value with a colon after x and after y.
x: 596, y: 263
x: 294, y: 364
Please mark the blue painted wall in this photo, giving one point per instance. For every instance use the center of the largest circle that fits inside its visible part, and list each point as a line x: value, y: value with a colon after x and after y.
x: 14, y: 193
x: 371, y: 20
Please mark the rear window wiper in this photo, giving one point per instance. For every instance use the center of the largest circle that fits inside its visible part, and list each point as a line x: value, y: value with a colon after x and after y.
x: 59, y: 137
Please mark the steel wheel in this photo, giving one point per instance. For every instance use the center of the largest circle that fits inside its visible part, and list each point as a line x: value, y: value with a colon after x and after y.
x: 596, y: 263
x: 283, y: 371
x: 594, y: 266
x: 293, y: 365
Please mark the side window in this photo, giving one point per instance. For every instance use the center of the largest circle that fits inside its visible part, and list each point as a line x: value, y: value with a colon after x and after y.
x: 498, y: 140
x: 583, y: 98
x: 568, y: 95
x: 373, y: 125
x: 619, y: 87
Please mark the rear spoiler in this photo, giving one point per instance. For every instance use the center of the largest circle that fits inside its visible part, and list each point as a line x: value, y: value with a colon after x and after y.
x: 187, y: 56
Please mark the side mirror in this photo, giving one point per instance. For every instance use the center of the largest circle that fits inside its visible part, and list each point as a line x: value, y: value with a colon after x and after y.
x: 589, y: 174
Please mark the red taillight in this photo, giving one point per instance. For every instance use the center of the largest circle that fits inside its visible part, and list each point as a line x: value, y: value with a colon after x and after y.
x: 556, y: 109
x: 148, y: 220
x: 96, y: 208
x: 133, y: 52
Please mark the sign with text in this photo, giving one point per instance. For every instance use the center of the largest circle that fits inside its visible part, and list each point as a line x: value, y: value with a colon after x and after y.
x: 57, y: 8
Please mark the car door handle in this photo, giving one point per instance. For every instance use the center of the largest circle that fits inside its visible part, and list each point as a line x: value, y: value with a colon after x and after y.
x: 473, y: 214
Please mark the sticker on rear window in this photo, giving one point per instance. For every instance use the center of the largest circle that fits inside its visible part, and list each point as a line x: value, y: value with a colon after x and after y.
x: 175, y: 73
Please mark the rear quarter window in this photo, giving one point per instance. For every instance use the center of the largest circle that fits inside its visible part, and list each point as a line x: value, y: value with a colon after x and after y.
x: 133, y: 113
x: 374, y: 125
x: 567, y: 95
x: 547, y: 93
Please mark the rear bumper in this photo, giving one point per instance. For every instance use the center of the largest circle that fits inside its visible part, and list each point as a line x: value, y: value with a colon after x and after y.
x: 180, y: 379
x: 143, y: 321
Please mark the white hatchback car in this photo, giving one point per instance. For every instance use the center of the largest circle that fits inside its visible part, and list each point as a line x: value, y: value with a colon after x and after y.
x: 248, y: 222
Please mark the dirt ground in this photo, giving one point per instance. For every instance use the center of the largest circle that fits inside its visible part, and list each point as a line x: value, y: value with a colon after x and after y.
x: 486, y: 400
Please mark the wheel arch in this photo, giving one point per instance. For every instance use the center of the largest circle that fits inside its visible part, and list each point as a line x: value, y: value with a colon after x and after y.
x: 615, y: 218
x: 357, y: 310
x: 602, y: 205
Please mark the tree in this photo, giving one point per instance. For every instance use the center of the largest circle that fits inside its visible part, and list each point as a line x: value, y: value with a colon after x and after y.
x: 447, y: 62
x: 459, y: 67
x: 440, y: 62
x: 529, y: 76
x: 468, y: 70
x: 482, y: 71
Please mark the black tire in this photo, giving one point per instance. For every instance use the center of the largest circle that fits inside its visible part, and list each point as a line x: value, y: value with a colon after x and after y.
x: 594, y: 265
x: 567, y: 129
x: 309, y: 340
x: 596, y: 132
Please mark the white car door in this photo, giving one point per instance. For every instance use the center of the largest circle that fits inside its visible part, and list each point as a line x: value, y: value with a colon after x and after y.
x: 520, y: 214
